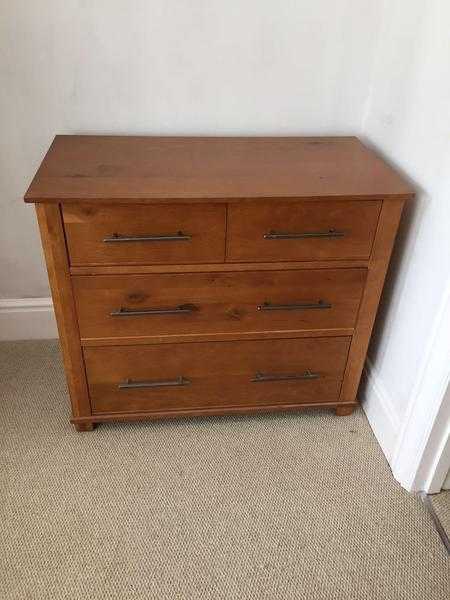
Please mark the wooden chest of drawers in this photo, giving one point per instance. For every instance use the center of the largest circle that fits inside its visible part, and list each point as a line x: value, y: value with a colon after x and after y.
x: 200, y: 276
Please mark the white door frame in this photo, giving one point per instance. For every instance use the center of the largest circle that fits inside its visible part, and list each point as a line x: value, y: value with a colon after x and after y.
x: 421, y: 457
x: 441, y: 467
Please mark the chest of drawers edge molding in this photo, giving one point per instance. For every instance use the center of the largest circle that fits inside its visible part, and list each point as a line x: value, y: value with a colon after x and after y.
x: 54, y: 241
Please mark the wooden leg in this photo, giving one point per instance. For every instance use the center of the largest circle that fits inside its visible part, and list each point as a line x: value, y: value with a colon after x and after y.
x: 84, y: 426
x: 345, y: 409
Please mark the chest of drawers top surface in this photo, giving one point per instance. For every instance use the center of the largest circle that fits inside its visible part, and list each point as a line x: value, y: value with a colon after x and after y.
x: 132, y: 168
x: 214, y: 275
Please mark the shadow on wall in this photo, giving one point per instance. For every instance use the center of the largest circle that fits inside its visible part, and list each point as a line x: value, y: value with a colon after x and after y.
x: 405, y: 240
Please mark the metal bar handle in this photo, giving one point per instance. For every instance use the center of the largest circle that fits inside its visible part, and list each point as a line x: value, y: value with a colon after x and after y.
x: 171, y: 237
x: 300, y: 306
x: 278, y: 235
x: 130, y: 384
x: 262, y: 377
x: 131, y: 312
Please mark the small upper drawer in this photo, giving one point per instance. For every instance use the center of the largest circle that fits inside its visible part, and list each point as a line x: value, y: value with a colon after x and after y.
x: 303, y: 230
x: 142, y: 234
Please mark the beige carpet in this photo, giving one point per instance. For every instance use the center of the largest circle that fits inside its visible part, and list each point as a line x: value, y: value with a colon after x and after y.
x: 288, y: 506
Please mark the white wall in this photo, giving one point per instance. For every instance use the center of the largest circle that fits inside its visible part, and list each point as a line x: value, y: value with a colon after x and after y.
x: 407, y: 119
x: 159, y: 66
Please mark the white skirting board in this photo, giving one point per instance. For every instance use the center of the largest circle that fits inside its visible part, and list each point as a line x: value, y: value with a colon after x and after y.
x: 380, y: 410
x: 27, y: 319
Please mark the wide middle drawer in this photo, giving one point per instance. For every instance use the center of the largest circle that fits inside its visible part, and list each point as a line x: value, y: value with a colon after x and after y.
x: 120, y: 306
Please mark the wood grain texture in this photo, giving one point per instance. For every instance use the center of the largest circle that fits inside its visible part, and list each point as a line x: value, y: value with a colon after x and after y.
x: 206, y: 412
x: 87, y: 226
x: 343, y: 410
x: 219, y: 373
x: 226, y: 193
x: 379, y: 261
x: 222, y: 336
x: 143, y: 169
x: 52, y: 236
x: 218, y: 267
x: 249, y: 223
x: 219, y: 303
x: 83, y: 425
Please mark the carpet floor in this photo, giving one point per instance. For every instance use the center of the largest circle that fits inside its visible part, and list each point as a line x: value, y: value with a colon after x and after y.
x: 285, y: 506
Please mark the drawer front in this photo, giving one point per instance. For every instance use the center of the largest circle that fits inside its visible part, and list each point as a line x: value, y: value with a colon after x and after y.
x: 113, y: 306
x: 170, y: 377
x: 304, y: 230
x: 140, y: 234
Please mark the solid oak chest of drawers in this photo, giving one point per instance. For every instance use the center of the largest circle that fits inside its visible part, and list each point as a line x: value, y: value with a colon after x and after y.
x: 205, y: 276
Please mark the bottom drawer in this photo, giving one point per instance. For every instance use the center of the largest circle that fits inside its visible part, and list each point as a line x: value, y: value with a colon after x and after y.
x: 171, y: 377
